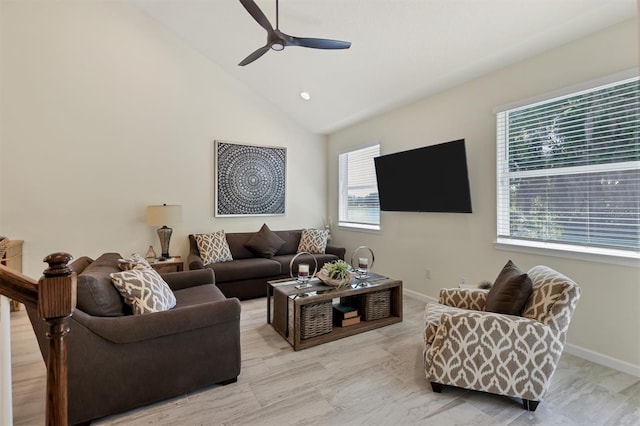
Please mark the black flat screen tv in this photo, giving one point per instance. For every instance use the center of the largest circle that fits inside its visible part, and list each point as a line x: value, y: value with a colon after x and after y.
x: 428, y: 179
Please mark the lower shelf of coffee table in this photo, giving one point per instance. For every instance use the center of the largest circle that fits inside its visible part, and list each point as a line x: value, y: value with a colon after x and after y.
x: 341, y: 332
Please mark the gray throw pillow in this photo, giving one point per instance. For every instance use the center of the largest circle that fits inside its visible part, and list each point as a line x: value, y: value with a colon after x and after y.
x: 264, y: 243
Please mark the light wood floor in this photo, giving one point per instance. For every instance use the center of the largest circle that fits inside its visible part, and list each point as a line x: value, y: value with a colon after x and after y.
x: 375, y: 378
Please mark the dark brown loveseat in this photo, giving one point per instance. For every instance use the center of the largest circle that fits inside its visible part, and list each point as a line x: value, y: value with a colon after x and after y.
x: 119, y: 361
x: 246, y: 276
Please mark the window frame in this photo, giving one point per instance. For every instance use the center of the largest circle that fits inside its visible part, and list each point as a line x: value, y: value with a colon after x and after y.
x: 343, y: 192
x: 617, y: 256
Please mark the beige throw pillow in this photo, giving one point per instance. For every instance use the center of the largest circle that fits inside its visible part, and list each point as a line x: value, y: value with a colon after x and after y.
x: 213, y: 248
x: 144, y: 290
x: 313, y: 241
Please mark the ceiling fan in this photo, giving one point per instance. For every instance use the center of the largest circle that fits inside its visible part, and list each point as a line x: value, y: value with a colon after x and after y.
x: 277, y: 40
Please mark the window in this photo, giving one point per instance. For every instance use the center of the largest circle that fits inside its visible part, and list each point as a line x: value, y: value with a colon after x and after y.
x: 358, y: 199
x: 568, y: 172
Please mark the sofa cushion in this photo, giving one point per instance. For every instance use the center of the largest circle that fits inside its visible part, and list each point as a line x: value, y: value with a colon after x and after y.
x: 244, y: 269
x: 144, y: 290
x: 96, y: 295
x: 265, y: 242
x: 213, y: 247
x: 313, y: 240
x: 510, y: 291
x: 292, y: 240
x: 237, y: 241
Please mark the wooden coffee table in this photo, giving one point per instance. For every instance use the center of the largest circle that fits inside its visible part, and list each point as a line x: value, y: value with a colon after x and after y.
x: 289, y: 304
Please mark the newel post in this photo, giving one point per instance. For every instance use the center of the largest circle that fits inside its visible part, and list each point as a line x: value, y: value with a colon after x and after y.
x: 56, y: 302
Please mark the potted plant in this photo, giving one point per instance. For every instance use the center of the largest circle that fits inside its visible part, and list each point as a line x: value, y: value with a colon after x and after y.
x: 337, y: 273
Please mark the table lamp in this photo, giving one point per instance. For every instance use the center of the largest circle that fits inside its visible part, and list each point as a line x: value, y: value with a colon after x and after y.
x: 160, y: 216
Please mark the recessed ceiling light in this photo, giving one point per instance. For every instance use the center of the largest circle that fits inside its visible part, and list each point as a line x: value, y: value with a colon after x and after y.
x: 305, y: 95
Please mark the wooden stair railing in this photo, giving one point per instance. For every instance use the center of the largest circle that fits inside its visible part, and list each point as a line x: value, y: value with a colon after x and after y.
x: 54, y: 297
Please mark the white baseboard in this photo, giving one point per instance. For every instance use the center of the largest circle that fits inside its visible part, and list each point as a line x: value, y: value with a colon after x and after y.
x: 418, y: 296
x: 580, y: 352
x: 606, y: 360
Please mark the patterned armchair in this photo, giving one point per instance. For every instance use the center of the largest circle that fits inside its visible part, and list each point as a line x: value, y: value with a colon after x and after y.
x: 516, y: 356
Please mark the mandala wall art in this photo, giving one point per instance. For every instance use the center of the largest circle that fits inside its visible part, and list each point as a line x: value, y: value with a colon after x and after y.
x: 250, y: 180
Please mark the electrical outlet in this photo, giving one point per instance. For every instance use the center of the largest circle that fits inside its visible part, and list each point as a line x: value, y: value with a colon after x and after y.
x: 427, y: 274
x: 463, y: 281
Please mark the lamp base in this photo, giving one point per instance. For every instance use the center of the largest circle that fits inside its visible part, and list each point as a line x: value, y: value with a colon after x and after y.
x: 164, y: 234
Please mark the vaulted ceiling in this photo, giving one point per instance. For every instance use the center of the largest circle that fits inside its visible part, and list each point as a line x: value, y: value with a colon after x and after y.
x: 401, y: 49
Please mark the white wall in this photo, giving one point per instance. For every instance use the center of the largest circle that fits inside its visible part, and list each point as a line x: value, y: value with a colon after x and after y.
x: 453, y: 245
x: 105, y: 112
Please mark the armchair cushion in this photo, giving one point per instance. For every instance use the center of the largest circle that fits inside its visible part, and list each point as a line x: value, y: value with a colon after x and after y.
x: 510, y: 291
x: 265, y: 242
x: 144, y: 290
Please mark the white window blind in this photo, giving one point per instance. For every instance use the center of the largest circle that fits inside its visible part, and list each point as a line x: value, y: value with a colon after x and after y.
x: 358, y: 201
x: 568, y: 170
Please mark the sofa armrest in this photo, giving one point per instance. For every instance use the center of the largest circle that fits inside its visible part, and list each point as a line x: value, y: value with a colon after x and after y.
x: 338, y: 251
x: 195, y: 262
x: 193, y: 259
x: 186, y: 279
x: 464, y: 298
x: 136, y: 328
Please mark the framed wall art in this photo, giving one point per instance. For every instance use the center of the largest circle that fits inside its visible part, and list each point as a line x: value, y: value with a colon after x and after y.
x: 250, y: 180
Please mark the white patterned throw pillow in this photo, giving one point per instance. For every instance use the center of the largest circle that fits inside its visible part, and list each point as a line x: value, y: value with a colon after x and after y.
x: 136, y: 261
x: 144, y: 290
x: 313, y: 241
x: 213, y: 248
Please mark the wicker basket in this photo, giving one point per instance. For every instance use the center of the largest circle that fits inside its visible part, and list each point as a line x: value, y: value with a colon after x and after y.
x: 316, y: 319
x: 377, y: 305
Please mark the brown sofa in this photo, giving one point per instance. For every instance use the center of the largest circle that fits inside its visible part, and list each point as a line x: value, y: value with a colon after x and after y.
x: 246, y: 276
x: 118, y: 361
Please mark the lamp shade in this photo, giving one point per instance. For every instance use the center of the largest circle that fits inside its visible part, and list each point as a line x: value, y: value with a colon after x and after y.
x: 164, y: 215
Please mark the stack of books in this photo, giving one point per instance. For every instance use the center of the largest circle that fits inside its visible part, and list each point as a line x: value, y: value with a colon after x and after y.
x: 344, y: 315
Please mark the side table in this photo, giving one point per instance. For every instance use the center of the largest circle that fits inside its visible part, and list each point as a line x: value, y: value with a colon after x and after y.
x: 173, y: 264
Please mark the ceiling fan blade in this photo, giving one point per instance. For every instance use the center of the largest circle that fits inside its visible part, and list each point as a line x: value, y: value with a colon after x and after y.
x: 255, y: 55
x: 277, y: 40
x: 257, y: 14
x: 317, y: 43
